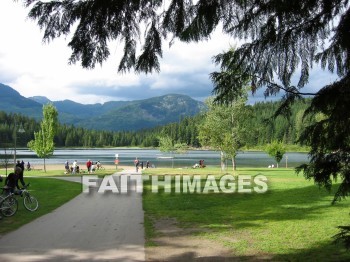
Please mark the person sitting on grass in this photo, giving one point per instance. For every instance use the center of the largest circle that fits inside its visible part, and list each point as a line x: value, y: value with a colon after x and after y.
x: 201, y: 164
x: 196, y: 165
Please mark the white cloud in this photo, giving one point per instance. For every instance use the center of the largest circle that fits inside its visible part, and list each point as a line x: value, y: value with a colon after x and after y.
x: 34, y: 68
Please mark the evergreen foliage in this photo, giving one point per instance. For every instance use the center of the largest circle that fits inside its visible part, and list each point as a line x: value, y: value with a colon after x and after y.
x: 113, y: 115
x: 262, y: 129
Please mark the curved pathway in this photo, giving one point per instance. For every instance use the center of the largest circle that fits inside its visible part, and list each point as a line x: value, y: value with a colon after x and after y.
x: 91, y: 227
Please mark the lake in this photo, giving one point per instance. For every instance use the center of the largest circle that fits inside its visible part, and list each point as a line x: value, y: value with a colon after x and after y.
x: 159, y: 159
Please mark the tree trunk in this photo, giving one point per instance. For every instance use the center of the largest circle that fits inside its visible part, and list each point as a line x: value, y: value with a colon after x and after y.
x: 222, y: 159
x: 44, y: 166
x: 233, y: 163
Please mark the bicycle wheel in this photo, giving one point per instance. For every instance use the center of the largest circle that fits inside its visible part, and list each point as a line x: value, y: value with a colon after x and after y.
x: 30, y: 203
x: 9, y: 206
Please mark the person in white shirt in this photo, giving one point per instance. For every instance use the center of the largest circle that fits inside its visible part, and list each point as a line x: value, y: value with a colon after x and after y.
x: 75, y: 164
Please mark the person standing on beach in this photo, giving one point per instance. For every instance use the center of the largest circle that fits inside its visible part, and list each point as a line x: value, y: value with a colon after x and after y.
x: 66, y: 166
x: 88, y: 166
x: 75, y: 164
x: 136, y: 163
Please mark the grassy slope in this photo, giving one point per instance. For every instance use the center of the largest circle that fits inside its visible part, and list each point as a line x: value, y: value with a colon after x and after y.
x: 51, y: 193
x: 294, y: 220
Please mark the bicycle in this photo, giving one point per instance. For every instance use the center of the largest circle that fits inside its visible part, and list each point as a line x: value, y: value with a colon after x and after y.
x: 8, y: 204
x: 30, y: 202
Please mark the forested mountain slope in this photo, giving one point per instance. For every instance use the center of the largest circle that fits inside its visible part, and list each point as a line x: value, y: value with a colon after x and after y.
x: 262, y: 129
x: 112, y: 116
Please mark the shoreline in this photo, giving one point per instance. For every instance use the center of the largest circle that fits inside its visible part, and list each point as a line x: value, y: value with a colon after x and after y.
x: 50, y: 167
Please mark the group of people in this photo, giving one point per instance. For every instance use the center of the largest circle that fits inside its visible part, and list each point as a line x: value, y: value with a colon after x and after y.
x: 91, y: 166
x: 22, y: 165
x: 11, y: 182
x: 13, y: 179
x: 138, y: 164
x: 75, y: 169
x: 199, y: 165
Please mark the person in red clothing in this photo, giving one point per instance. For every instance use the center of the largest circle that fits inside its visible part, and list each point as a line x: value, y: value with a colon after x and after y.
x: 88, y: 165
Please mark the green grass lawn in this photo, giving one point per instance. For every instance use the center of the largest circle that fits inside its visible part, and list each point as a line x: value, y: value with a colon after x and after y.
x: 294, y: 220
x: 51, y: 193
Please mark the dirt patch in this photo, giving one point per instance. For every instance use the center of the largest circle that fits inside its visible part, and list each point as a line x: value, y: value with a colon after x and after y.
x: 181, y: 244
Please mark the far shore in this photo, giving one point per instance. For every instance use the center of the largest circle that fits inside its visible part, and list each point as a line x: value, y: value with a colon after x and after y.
x: 61, y: 167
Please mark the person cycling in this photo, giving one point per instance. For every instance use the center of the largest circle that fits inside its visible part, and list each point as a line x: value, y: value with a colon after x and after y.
x: 11, y: 182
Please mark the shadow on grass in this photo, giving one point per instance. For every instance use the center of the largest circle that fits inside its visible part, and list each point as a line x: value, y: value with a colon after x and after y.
x: 183, y: 247
x: 277, y: 205
x: 323, y: 252
x: 314, y: 254
x: 225, y: 216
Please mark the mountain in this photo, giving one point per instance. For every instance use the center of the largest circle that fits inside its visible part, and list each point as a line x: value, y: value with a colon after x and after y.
x: 40, y: 99
x: 113, y: 115
x: 12, y: 102
x: 147, y: 113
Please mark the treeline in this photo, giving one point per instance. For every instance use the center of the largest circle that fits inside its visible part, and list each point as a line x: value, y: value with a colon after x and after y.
x: 262, y: 129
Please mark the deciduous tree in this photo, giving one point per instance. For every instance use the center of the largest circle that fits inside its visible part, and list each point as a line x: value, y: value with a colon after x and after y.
x: 223, y: 128
x: 166, y: 144
x: 276, y: 150
x: 43, y: 144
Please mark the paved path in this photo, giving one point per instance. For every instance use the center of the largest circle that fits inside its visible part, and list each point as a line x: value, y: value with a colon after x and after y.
x: 91, y: 227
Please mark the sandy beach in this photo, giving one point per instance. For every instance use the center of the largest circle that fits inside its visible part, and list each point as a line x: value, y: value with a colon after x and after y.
x: 82, y: 166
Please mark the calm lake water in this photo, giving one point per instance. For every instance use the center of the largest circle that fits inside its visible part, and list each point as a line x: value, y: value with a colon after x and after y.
x: 159, y: 159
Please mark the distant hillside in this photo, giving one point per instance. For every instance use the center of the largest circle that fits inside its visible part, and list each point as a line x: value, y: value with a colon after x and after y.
x: 40, y: 99
x: 114, y: 115
x: 12, y: 102
x: 146, y: 113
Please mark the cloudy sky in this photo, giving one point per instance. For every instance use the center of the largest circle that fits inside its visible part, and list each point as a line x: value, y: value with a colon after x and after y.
x: 37, y: 69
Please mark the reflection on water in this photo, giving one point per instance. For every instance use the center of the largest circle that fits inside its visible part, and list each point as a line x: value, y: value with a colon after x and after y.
x: 159, y: 159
